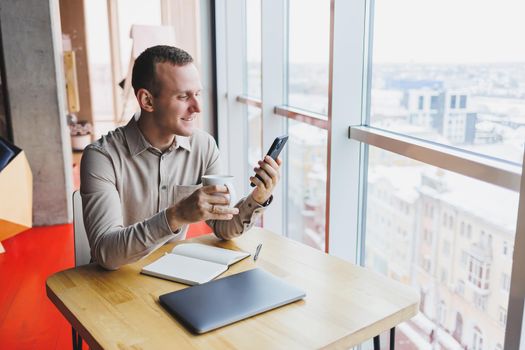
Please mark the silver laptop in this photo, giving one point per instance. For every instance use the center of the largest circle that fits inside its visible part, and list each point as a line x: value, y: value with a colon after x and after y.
x: 218, y: 303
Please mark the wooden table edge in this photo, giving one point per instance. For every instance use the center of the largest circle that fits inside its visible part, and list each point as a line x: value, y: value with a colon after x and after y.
x: 344, y: 343
x: 73, y: 321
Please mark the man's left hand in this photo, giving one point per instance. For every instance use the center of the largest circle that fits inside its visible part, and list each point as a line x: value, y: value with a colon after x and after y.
x: 268, y: 170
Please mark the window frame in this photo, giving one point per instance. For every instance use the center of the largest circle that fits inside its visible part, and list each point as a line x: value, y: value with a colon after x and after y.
x: 349, y: 133
x: 231, y: 126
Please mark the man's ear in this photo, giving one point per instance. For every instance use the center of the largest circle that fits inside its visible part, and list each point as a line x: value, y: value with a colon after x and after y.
x: 145, y: 100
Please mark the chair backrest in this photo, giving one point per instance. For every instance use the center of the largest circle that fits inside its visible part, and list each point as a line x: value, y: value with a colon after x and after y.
x: 82, y: 252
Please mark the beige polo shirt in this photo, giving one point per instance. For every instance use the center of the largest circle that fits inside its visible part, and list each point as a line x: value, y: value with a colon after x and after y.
x: 127, y: 184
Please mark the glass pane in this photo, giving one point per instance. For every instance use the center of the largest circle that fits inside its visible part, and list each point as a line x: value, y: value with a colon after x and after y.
x: 450, y: 237
x: 461, y: 82
x: 253, y: 48
x: 254, y: 142
x: 254, y: 137
x: 309, y: 48
x: 307, y: 148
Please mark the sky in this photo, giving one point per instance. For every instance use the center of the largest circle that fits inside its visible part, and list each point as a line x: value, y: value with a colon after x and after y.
x: 309, y: 27
x: 421, y: 31
x: 449, y: 31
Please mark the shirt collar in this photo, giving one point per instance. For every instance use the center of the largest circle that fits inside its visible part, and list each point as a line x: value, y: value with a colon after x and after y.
x: 137, y: 143
x: 182, y: 141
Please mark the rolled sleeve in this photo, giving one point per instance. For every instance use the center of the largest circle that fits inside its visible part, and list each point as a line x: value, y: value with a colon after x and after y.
x: 249, y: 212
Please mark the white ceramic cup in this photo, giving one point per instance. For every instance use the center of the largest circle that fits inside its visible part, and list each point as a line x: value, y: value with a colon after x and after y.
x: 224, y: 180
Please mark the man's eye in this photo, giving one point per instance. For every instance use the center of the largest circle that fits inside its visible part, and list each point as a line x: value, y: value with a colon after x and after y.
x: 183, y: 97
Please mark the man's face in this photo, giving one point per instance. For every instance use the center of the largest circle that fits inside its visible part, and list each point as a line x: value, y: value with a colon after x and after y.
x: 177, y: 102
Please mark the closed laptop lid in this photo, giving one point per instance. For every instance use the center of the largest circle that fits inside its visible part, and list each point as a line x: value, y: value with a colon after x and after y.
x: 211, y: 305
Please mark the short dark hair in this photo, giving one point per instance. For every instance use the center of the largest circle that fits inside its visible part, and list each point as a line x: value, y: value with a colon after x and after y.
x: 143, y: 76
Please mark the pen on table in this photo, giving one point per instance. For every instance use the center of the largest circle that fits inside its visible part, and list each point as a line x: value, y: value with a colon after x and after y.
x: 257, y: 251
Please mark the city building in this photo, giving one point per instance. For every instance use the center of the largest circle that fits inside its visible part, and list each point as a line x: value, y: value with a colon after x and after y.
x: 445, y: 241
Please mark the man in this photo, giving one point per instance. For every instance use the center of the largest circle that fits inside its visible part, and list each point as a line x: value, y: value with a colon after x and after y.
x: 140, y: 184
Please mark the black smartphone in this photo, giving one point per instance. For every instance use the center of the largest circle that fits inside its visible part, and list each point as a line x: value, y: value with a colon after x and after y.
x: 276, y: 148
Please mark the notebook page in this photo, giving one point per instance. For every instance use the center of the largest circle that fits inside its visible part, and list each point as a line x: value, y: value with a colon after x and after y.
x: 209, y: 253
x: 184, y: 269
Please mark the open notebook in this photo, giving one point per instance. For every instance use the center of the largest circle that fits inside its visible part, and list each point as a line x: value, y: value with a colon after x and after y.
x: 193, y: 263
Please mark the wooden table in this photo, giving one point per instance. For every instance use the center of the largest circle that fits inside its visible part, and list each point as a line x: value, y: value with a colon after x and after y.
x: 345, y: 304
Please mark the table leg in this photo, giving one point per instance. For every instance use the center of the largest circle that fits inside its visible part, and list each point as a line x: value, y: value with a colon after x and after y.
x: 77, y: 339
x: 392, y: 338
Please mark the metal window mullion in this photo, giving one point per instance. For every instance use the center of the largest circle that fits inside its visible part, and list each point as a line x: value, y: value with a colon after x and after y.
x: 346, y: 95
x: 116, y: 66
x: 273, y: 53
x: 230, y: 55
x: 515, y: 328
x: 484, y: 168
x: 221, y: 59
x: 310, y: 118
x: 302, y: 116
x: 250, y: 101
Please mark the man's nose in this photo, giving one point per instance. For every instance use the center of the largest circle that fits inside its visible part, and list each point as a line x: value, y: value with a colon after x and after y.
x: 195, y: 106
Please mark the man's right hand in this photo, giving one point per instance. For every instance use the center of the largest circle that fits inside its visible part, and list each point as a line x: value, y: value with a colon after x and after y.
x: 208, y: 202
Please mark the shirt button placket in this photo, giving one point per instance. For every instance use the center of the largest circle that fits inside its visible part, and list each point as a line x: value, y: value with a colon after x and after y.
x: 163, y: 187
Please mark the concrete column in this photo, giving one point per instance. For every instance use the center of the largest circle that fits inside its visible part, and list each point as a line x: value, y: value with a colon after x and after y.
x: 3, y: 118
x: 34, y: 78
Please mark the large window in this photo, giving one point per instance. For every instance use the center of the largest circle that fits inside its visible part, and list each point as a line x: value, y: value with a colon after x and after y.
x: 308, y: 38
x: 407, y: 127
x: 458, y: 85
